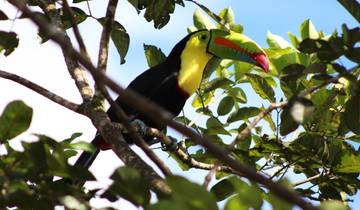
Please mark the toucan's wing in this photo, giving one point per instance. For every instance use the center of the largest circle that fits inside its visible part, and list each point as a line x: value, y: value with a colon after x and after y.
x: 149, y: 84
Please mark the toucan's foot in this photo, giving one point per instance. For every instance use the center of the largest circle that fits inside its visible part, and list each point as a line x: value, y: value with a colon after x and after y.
x: 172, y: 147
x: 140, y: 125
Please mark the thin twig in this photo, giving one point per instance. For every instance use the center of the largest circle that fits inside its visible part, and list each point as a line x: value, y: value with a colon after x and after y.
x: 246, y: 132
x: 104, y: 41
x: 311, y: 178
x: 40, y: 90
x: 75, y: 28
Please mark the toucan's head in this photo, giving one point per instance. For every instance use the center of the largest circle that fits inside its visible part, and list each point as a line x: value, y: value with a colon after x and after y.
x: 196, y: 50
x: 232, y: 45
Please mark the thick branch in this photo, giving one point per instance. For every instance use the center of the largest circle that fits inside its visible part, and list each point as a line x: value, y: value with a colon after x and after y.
x: 163, y: 117
x: 40, y: 90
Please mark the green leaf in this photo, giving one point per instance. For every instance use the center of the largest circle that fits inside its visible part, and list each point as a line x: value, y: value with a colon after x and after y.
x: 236, y: 203
x: 225, y: 106
x: 352, y: 114
x: 166, y: 205
x: 353, y: 7
x: 243, y: 114
x: 261, y: 87
x: 121, y: 40
x: 8, y: 42
x: 215, y: 127
x: 294, y: 40
x: 278, y: 203
x: 292, y: 72
x: 350, y: 163
x: 129, y: 184
x: 215, y: 84
x: 227, y: 15
x: 157, y: 10
x: 201, y: 21
x: 3, y: 16
x: 223, y: 189
x: 238, y: 94
x: 15, y: 119
x: 192, y: 195
x: 78, y: 14
x: 154, y: 55
x: 237, y: 28
x: 276, y: 42
x: 82, y: 145
x: 202, y: 101
x: 333, y: 205
x: 72, y: 203
x: 308, y: 30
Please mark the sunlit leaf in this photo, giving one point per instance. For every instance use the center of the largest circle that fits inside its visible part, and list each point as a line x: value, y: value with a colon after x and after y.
x: 154, y: 55
x: 261, y: 87
x: 308, y: 30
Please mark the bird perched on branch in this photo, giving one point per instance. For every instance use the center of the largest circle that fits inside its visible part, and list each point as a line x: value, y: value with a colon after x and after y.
x: 172, y: 82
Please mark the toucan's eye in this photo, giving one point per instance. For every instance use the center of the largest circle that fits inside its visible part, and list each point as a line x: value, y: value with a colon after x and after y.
x: 203, y: 37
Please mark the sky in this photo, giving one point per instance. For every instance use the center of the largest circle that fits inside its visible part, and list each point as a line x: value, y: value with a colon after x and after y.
x: 43, y: 63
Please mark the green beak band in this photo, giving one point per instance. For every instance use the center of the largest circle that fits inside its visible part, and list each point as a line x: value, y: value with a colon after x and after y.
x: 236, y: 46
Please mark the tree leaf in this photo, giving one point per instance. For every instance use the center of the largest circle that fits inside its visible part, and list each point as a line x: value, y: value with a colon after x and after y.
x: 201, y: 21
x: 352, y: 114
x: 225, y: 106
x: 154, y: 55
x: 350, y: 163
x: 238, y: 94
x: 215, y: 127
x: 223, y: 189
x: 276, y: 42
x: 15, y: 119
x: 243, y: 114
x: 190, y: 194
x: 308, y: 30
x: 261, y: 87
x: 156, y: 10
x: 8, y: 42
x: 129, y: 184
x: 215, y: 84
x: 227, y: 15
x: 121, y: 40
x: 78, y: 14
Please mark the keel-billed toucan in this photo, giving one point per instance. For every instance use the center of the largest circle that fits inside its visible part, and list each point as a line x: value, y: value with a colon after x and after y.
x: 172, y: 82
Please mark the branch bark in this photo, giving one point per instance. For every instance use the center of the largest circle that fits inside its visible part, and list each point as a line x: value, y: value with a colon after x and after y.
x: 40, y: 90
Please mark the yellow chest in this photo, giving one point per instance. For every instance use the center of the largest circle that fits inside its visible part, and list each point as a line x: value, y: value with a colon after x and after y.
x: 193, y: 63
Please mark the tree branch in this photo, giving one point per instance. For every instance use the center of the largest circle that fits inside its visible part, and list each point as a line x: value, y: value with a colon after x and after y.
x: 75, y: 29
x: 246, y: 132
x: 75, y: 70
x: 159, y: 115
x: 40, y: 90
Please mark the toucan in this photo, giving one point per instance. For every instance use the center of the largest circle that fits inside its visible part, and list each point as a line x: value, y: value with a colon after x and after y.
x: 170, y: 83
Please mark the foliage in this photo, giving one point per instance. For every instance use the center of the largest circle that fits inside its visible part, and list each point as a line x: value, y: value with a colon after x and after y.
x: 314, y: 135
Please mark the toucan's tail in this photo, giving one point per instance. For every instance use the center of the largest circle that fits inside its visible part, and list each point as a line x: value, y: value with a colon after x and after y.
x: 87, y: 158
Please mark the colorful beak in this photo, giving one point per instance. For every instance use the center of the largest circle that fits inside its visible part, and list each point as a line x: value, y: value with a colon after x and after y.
x: 236, y: 46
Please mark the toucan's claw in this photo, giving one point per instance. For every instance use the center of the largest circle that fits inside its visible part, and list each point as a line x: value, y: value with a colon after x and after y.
x: 172, y: 147
x: 140, y: 125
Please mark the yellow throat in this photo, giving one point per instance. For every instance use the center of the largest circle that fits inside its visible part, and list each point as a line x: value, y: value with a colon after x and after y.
x: 193, y: 62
